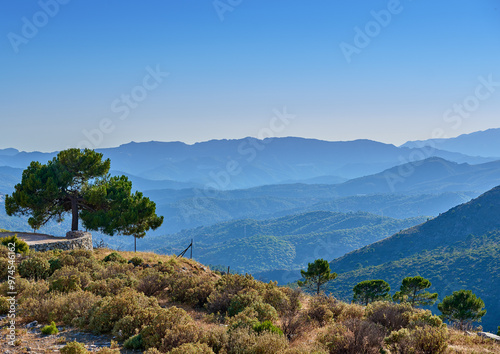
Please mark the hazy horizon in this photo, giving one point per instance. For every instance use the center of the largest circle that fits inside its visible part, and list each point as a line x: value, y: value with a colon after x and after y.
x: 100, y: 75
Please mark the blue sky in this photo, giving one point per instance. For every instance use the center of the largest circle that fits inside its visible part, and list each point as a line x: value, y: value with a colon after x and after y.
x: 67, y: 68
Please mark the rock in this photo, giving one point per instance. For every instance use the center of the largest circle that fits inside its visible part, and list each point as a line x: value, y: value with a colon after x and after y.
x: 32, y: 324
x: 489, y: 335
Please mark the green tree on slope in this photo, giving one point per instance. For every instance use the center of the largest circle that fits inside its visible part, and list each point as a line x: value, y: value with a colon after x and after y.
x: 412, y: 291
x: 371, y: 290
x: 463, y: 308
x: 318, y: 273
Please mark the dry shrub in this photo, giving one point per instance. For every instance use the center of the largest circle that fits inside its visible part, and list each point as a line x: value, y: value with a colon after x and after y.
x: 34, y: 268
x: 4, y: 268
x: 151, y: 282
x: 390, y: 315
x: 109, y: 287
x: 115, y: 270
x: 323, y: 309
x: 171, y: 328
x: 74, y: 348
x: 4, y: 251
x: 420, y: 340
x: 190, y: 289
x: 227, y: 287
x: 131, y: 325
x: 152, y: 351
x: 76, y: 307
x: 280, y: 298
x: 105, y: 350
x: 430, y: 339
x: 60, y: 280
x: 353, y: 336
x: 192, y: 348
x: 245, y: 342
x: 110, y: 310
x: 215, y: 337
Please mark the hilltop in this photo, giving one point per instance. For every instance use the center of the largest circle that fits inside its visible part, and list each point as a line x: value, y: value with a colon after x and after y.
x: 128, y: 302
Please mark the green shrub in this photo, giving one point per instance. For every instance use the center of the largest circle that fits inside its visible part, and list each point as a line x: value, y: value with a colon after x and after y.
x: 20, y: 245
x: 50, y: 329
x: 134, y: 342
x: 136, y: 261
x: 267, y: 326
x: 243, y: 300
x: 35, y: 268
x: 4, y: 305
x: 114, y: 257
x: 74, y: 348
x: 65, y: 285
x: 55, y: 264
x: 192, y: 348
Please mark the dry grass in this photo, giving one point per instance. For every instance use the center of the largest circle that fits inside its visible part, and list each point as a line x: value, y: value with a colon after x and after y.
x: 212, y: 328
x: 460, y: 342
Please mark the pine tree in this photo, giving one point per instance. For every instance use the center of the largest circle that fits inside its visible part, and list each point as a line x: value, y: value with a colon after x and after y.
x: 371, y: 290
x: 317, y: 274
x: 77, y: 182
x: 412, y: 291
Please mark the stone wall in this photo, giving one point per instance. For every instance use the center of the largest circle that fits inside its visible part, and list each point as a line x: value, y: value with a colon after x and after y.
x: 83, y: 242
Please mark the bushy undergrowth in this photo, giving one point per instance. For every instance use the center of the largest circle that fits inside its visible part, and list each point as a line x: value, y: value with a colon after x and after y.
x: 206, y: 313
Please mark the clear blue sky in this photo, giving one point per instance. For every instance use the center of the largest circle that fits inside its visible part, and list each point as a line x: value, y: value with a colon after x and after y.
x: 230, y: 67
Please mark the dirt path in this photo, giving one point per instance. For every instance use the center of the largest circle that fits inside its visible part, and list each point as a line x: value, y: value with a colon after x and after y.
x: 32, y: 238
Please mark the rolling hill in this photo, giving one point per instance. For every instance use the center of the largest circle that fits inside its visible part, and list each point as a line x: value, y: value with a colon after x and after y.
x: 283, y: 243
x: 432, y: 175
x: 458, y: 249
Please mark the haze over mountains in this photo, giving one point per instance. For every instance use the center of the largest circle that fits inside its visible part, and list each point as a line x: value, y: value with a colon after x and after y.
x: 482, y: 143
x: 244, y: 163
x: 269, y: 207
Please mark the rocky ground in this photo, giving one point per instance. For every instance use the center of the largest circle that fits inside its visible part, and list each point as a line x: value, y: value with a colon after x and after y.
x: 31, y: 340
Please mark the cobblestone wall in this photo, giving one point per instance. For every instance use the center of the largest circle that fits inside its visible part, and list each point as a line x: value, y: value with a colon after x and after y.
x: 84, y: 242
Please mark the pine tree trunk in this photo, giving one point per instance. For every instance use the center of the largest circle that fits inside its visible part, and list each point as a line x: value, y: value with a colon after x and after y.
x: 74, y: 211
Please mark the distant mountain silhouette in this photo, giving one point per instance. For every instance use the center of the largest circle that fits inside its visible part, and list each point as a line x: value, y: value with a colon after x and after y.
x: 482, y: 143
x: 249, y: 162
